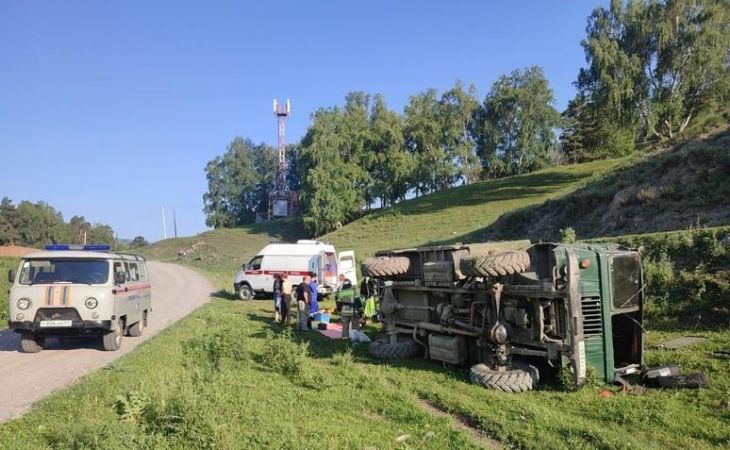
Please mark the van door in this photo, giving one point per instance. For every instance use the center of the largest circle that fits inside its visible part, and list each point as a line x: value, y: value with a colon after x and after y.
x: 254, y: 273
x: 346, y: 265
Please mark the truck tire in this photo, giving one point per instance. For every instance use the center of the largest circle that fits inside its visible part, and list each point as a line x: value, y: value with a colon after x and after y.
x: 30, y: 342
x: 403, y: 349
x: 112, y: 341
x: 500, y: 264
x: 385, y: 266
x: 512, y: 380
x: 135, y: 330
x: 245, y: 292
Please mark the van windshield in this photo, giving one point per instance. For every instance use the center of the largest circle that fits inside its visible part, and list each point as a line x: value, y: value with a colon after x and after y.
x: 47, y: 271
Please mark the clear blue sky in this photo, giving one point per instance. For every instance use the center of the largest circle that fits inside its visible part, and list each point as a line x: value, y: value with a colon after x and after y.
x: 109, y: 109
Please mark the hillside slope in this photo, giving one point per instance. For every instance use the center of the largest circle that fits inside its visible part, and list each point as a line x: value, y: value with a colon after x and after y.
x: 446, y: 216
x: 687, y: 185
x: 455, y: 214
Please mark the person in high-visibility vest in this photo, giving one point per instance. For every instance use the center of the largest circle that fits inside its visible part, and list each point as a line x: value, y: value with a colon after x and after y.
x: 346, y: 305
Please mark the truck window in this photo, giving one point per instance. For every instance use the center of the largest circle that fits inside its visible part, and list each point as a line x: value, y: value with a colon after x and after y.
x: 626, y: 280
x: 119, y: 267
x: 142, y: 271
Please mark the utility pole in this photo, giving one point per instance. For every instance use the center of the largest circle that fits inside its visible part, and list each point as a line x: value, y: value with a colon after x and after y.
x: 174, y: 222
x: 164, y: 226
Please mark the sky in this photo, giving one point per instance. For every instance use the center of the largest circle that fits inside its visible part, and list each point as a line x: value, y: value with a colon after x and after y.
x: 111, y: 110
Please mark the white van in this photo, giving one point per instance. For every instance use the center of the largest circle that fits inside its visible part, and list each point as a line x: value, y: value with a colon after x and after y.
x: 295, y: 260
x: 74, y: 290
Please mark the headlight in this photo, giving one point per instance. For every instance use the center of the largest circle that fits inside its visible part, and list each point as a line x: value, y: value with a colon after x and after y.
x: 24, y: 304
x: 91, y: 302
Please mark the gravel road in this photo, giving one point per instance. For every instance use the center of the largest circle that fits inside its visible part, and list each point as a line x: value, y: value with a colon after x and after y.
x: 26, y: 378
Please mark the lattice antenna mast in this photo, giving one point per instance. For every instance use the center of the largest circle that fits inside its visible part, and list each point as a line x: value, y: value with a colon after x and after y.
x: 281, y: 112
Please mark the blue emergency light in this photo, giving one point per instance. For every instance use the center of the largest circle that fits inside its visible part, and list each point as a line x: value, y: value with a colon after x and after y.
x: 88, y: 248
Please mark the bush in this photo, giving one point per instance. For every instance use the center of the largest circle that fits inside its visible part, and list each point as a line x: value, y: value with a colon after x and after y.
x: 216, y: 347
x: 178, y: 419
x: 567, y: 235
x: 282, y: 354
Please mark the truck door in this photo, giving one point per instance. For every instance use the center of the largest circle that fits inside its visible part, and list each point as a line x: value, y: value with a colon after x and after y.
x: 346, y: 265
x: 627, y: 304
x: 254, y: 273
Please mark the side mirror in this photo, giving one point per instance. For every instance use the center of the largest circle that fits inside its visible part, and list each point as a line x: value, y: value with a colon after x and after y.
x: 11, y: 276
x: 120, y: 277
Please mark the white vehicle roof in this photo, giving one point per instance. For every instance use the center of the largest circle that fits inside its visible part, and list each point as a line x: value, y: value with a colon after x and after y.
x: 77, y: 254
x: 301, y: 248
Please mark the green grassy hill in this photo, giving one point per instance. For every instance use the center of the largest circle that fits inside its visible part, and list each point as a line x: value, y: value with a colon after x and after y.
x: 448, y: 216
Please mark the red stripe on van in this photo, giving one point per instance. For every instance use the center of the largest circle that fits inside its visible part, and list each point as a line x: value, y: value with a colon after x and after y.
x: 274, y: 272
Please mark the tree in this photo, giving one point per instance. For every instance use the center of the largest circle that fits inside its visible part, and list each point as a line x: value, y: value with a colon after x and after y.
x: 424, y: 127
x: 331, y: 191
x: 139, y: 241
x: 8, y: 223
x: 390, y: 166
x: 459, y: 109
x: 516, y: 123
x: 236, y: 188
x: 653, y: 66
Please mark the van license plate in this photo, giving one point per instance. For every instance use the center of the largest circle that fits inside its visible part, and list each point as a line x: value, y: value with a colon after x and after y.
x: 55, y: 323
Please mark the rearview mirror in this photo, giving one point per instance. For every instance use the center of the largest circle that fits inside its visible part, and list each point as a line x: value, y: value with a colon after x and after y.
x: 120, y: 277
x: 11, y: 275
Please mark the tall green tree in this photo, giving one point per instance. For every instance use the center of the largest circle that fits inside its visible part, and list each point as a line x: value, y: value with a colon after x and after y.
x: 516, y: 123
x: 8, y: 223
x: 330, y: 192
x: 390, y: 166
x: 459, y: 107
x: 231, y: 198
x: 424, y: 127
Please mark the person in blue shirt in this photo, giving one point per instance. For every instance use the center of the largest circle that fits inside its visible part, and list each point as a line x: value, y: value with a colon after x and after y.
x: 313, y: 305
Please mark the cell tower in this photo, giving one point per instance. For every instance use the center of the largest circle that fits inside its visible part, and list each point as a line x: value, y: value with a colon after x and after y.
x: 281, y: 202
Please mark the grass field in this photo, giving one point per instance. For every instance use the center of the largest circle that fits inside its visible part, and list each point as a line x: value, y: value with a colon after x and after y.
x: 226, y: 377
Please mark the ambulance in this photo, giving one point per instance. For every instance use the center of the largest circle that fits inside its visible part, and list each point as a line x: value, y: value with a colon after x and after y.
x: 70, y: 290
x: 295, y: 260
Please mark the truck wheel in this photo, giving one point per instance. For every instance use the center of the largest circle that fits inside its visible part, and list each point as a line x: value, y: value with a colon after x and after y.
x: 135, y: 330
x: 500, y: 264
x: 30, y: 342
x: 112, y: 341
x: 405, y: 348
x: 385, y: 266
x: 245, y: 292
x: 511, y: 380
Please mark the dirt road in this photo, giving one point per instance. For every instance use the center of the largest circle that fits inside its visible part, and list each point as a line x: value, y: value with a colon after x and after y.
x: 26, y: 378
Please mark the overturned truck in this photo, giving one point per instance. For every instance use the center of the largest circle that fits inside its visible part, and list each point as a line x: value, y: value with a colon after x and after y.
x: 501, y: 307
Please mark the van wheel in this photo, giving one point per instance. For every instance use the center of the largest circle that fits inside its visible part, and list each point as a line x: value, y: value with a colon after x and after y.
x: 245, y: 292
x: 112, y: 341
x: 135, y: 330
x: 30, y: 342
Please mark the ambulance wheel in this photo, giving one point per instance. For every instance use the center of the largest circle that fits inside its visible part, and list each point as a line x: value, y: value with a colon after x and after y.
x: 245, y: 292
x: 30, y: 342
x: 135, y: 330
x: 112, y: 341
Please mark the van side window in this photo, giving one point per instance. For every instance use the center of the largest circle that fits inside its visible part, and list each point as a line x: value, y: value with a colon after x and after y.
x: 118, y: 267
x: 142, y: 271
x: 255, y: 263
x: 133, y: 272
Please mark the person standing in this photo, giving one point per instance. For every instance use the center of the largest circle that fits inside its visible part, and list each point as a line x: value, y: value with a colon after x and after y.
x: 303, y: 304
x: 285, y: 306
x: 346, y: 302
x: 313, y: 304
x: 277, y: 296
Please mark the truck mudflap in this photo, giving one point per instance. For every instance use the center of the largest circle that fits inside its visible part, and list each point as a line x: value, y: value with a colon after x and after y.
x: 577, y: 342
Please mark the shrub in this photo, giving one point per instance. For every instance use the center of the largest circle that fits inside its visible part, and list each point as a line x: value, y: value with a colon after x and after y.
x: 282, y: 354
x: 215, y: 347
x: 567, y: 235
x: 178, y: 419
